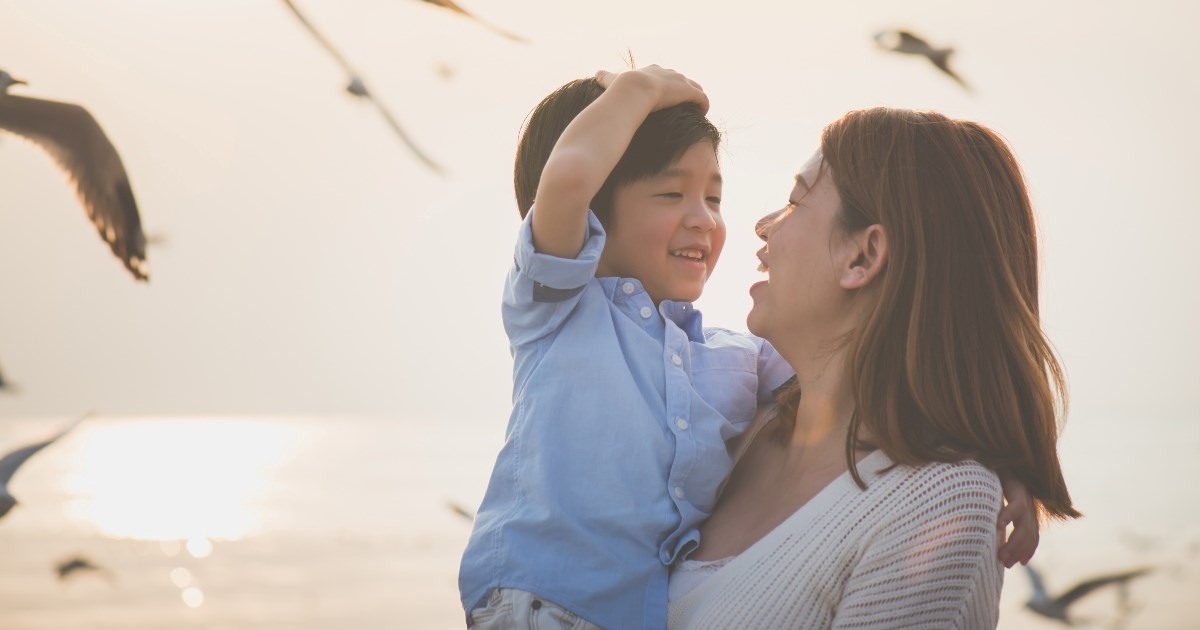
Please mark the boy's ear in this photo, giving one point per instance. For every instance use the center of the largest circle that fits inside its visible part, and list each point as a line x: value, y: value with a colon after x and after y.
x: 870, y: 252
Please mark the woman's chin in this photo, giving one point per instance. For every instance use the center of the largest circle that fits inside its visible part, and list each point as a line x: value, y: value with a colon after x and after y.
x: 754, y: 322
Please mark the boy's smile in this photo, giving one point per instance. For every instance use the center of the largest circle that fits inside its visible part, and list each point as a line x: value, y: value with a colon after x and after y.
x: 667, y: 230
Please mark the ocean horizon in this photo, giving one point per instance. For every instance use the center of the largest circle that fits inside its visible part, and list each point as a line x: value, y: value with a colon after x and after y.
x: 321, y: 523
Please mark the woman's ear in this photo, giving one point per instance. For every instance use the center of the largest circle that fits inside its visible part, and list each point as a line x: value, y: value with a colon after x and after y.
x: 870, y: 257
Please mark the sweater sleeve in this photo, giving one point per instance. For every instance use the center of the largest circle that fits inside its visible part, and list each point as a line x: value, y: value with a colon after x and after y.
x: 933, y: 563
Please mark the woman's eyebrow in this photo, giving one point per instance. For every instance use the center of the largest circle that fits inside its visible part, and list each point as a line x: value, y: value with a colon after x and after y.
x: 803, y: 182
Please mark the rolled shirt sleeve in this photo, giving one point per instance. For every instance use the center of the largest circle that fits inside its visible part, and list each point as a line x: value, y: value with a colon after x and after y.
x: 542, y: 290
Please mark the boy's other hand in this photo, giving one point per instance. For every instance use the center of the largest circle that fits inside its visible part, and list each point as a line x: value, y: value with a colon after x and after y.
x: 1022, y: 515
x: 671, y: 87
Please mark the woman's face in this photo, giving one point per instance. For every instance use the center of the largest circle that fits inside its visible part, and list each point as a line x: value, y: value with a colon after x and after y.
x: 805, y: 249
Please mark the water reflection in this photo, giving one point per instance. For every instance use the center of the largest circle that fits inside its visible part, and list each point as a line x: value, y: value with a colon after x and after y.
x: 171, y: 480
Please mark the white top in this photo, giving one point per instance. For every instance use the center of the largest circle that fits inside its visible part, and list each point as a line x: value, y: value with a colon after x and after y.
x: 688, y: 574
x: 916, y: 549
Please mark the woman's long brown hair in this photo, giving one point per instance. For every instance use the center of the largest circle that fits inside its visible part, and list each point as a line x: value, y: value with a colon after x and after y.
x: 952, y: 362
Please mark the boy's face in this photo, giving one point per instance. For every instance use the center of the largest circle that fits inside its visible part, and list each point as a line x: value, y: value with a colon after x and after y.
x: 667, y: 230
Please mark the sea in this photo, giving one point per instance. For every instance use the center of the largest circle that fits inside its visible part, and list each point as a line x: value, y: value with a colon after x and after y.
x: 323, y: 523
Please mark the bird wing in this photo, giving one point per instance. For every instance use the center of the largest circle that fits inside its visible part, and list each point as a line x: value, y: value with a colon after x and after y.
x: 325, y: 43
x: 395, y: 125
x: 1039, y: 588
x: 453, y: 6
x: 1083, y: 588
x: 940, y: 58
x: 912, y: 44
x: 75, y: 140
x: 12, y: 461
x: 359, y: 88
x: 66, y: 568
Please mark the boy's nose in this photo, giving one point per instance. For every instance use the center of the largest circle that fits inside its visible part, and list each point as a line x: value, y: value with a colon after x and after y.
x: 700, y: 218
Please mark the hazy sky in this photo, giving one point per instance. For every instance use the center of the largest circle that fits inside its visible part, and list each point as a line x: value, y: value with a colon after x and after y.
x: 312, y: 266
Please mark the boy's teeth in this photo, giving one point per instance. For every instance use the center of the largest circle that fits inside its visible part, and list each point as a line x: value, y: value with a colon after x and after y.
x: 689, y: 253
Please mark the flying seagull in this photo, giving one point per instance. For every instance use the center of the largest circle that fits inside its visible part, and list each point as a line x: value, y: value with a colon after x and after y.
x: 453, y: 6
x: 6, y: 385
x: 905, y: 42
x: 1056, y: 608
x: 460, y: 510
x: 358, y: 87
x: 68, y: 568
x: 12, y: 461
x: 77, y: 143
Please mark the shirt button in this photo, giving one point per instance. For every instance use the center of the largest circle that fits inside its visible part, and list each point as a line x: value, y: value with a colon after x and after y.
x: 678, y: 492
x: 681, y: 423
x: 627, y: 288
x: 676, y: 360
x: 645, y: 312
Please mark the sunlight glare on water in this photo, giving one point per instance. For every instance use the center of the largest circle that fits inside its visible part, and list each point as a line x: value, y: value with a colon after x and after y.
x: 193, y: 480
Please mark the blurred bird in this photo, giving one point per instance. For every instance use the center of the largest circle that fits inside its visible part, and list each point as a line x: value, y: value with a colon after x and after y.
x: 905, y: 42
x: 358, y: 87
x: 444, y: 70
x: 68, y: 568
x: 12, y: 461
x: 77, y: 143
x: 1138, y: 542
x: 460, y: 510
x: 5, y: 385
x: 453, y: 6
x: 1041, y: 603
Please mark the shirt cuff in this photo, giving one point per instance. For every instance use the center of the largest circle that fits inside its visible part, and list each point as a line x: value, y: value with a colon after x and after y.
x: 555, y: 272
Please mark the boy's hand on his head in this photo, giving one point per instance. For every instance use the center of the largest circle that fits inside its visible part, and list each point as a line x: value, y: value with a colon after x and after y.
x: 1020, y: 513
x: 671, y: 87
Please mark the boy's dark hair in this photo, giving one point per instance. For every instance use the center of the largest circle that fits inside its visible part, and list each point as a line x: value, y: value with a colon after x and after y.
x: 662, y: 138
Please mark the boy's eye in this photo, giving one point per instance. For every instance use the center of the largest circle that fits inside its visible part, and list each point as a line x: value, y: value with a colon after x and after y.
x: 671, y: 195
x: 713, y: 200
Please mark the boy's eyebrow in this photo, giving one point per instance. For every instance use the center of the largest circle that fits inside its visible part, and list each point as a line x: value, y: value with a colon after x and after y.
x: 683, y: 172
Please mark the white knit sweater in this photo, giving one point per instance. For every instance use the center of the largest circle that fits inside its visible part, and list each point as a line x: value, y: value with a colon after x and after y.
x: 916, y: 549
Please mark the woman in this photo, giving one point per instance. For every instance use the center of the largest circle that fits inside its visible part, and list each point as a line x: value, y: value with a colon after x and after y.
x: 902, y: 287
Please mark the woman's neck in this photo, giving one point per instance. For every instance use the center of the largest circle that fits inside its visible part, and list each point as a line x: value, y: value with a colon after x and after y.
x: 826, y: 403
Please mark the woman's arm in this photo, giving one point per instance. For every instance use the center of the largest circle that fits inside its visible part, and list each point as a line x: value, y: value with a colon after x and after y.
x: 933, y: 565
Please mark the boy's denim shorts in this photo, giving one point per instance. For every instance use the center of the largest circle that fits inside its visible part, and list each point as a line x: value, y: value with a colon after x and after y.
x: 509, y: 609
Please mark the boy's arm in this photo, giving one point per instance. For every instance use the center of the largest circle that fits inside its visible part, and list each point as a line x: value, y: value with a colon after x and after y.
x: 590, y: 147
x: 1020, y: 512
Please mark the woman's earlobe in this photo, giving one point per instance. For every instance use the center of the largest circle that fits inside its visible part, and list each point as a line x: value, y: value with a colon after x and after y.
x: 870, y: 260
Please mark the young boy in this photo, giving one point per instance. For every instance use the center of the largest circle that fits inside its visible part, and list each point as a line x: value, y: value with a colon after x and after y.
x: 622, y: 400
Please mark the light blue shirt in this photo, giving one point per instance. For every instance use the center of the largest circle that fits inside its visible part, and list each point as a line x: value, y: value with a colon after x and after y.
x: 616, y: 443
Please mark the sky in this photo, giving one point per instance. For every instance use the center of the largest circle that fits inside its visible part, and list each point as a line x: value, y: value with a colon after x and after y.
x: 309, y: 265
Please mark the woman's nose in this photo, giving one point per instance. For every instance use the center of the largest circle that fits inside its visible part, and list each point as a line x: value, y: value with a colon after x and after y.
x: 763, y: 227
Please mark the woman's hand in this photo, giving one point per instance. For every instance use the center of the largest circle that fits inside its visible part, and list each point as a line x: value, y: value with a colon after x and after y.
x: 671, y: 87
x: 1020, y: 513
